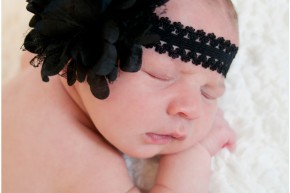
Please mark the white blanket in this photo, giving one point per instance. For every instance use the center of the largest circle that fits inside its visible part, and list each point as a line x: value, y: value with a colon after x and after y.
x: 256, y: 101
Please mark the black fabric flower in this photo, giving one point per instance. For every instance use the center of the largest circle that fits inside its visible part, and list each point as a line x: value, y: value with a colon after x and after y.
x: 89, y: 39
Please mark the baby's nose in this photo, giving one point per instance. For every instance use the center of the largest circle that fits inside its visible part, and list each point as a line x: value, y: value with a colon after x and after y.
x: 186, y: 104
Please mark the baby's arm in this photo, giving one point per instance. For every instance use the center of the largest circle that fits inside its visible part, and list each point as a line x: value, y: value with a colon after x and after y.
x: 189, y: 171
x: 184, y: 172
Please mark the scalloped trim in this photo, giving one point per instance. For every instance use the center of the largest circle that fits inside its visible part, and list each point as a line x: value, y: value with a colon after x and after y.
x: 193, y: 45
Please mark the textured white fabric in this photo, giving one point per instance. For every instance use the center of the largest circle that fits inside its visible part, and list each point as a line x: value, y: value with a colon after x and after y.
x: 256, y: 101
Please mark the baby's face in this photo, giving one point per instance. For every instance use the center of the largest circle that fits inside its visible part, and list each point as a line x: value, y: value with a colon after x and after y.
x: 169, y: 105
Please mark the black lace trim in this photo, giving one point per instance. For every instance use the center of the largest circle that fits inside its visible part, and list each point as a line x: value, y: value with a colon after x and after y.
x: 193, y: 45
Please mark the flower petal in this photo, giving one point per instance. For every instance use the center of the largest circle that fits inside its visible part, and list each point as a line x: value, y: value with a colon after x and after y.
x: 110, y: 31
x: 113, y: 75
x: 98, y: 86
x: 34, y: 42
x: 107, y: 61
x: 49, y: 27
x: 71, y: 73
x: 54, y: 61
x: 125, y: 4
x: 133, y: 62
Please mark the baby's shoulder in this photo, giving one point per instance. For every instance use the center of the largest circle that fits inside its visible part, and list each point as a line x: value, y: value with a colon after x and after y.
x: 92, y: 165
x: 68, y: 158
x: 55, y: 149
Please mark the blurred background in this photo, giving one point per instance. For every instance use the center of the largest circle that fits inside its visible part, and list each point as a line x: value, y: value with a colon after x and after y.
x: 15, y: 20
x: 256, y: 102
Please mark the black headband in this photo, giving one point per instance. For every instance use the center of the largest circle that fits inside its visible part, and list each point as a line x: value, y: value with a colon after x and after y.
x: 89, y: 40
x: 193, y: 45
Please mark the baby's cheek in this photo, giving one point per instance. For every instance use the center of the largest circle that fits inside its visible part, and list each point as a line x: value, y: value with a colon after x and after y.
x: 206, y: 125
x: 209, y: 116
x: 198, y: 132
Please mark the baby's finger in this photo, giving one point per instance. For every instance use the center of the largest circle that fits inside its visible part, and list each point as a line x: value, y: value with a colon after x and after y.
x: 231, y: 143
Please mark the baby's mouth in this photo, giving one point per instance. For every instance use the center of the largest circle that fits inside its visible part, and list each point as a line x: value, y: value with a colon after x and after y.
x: 156, y: 138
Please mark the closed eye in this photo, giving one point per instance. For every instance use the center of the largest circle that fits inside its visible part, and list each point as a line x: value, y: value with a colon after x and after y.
x: 159, y: 76
x: 207, y: 95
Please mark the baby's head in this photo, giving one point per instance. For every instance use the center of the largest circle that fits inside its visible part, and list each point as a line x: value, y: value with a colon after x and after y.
x: 170, y: 103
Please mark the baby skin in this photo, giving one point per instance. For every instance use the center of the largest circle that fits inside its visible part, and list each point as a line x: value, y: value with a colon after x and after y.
x: 58, y: 138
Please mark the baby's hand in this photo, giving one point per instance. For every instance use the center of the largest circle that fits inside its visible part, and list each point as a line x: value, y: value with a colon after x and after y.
x: 220, y: 136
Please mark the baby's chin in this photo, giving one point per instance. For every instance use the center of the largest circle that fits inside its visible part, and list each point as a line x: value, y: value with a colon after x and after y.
x: 153, y: 151
x: 145, y: 154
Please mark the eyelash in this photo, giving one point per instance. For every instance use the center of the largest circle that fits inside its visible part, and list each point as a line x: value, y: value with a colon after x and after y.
x: 207, y: 96
x: 158, y: 77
